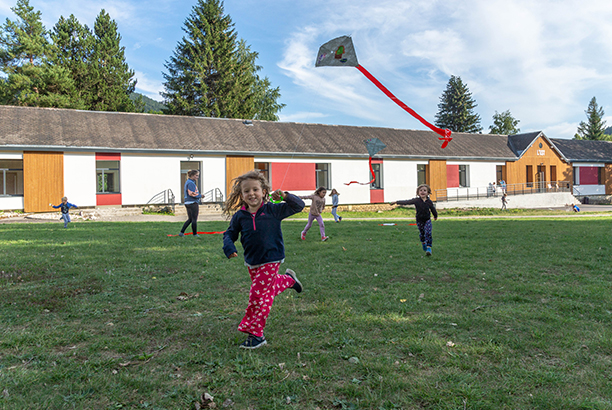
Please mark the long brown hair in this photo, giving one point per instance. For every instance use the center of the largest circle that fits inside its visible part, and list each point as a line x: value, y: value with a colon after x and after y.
x: 234, y: 199
x: 421, y: 186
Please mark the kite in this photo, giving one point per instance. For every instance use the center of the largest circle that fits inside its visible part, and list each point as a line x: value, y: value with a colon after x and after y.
x: 340, y: 52
x: 374, y: 145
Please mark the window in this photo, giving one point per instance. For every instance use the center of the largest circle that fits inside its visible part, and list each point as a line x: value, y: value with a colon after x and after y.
x: 499, y: 173
x: 421, y: 174
x: 264, y: 168
x: 11, y: 177
x: 107, y: 173
x: 377, y: 184
x: 464, y: 177
x: 322, y: 175
x: 187, y: 166
x: 576, y: 175
x: 529, y: 175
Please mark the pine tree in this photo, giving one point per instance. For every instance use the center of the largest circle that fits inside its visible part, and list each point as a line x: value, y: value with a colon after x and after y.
x: 595, y: 127
x: 72, y: 49
x: 24, y: 57
x: 456, y: 108
x: 504, y: 124
x: 112, y: 81
x: 211, y: 74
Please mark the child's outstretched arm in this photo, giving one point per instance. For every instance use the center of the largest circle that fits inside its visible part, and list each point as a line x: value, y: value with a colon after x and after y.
x: 229, y: 237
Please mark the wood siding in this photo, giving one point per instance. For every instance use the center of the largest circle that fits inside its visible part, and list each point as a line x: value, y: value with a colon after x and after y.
x: 43, y: 180
x: 436, y: 176
x: 545, y: 156
x: 234, y: 167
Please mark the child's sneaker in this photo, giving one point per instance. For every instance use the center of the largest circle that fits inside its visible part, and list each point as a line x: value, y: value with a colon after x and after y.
x: 340, y: 218
x: 297, y: 285
x: 428, y: 251
x: 253, y: 342
x: 196, y: 236
x: 303, y: 236
x: 181, y: 234
x: 424, y: 247
x: 324, y: 238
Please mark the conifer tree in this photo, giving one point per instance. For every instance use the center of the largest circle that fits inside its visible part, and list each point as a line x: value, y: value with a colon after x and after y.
x: 112, y: 80
x: 212, y: 74
x: 24, y: 57
x: 456, y: 108
x: 595, y: 127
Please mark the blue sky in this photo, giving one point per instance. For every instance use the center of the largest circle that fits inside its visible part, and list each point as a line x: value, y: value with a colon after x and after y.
x: 543, y: 60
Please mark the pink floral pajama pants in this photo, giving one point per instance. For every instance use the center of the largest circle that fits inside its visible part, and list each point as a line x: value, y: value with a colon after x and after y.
x: 266, y: 283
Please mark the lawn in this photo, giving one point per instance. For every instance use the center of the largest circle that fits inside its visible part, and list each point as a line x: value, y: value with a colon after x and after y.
x: 506, y: 314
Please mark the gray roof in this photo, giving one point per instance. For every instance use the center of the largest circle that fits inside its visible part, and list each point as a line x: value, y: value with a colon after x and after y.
x: 61, y: 129
x: 585, y: 150
x: 518, y: 143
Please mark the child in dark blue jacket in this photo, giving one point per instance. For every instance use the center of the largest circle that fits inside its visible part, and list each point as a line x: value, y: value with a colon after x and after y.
x: 424, y: 209
x: 65, y: 208
x: 258, y: 223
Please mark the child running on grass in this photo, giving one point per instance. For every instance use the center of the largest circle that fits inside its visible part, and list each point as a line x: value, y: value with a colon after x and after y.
x: 334, y: 194
x: 316, y: 207
x: 424, y: 209
x: 65, y: 208
x: 258, y: 222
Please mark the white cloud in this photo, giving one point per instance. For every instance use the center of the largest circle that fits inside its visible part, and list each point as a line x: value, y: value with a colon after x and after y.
x: 150, y: 88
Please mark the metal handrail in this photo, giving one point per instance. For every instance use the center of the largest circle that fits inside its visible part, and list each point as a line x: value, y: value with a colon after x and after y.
x: 214, y: 195
x: 464, y: 193
x: 164, y: 197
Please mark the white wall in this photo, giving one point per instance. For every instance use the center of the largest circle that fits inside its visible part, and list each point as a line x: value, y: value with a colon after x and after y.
x: 212, y: 174
x: 400, y: 179
x: 80, y: 178
x: 589, y: 189
x: 145, y: 175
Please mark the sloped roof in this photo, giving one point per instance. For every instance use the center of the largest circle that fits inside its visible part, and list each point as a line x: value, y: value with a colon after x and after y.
x: 518, y: 143
x: 62, y: 129
x: 585, y: 150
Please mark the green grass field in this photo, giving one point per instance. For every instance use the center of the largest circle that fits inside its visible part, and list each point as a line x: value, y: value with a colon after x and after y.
x: 506, y: 314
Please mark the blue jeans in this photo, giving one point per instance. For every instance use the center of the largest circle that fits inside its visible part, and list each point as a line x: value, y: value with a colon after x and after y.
x: 66, y: 218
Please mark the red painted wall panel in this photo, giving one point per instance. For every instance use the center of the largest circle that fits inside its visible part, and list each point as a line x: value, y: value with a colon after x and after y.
x: 452, y: 176
x: 588, y: 175
x: 293, y: 176
x: 377, y: 196
x: 108, y: 199
x: 113, y: 156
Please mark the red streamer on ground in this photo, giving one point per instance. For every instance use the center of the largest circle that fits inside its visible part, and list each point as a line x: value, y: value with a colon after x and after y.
x: 445, y: 134
x: 201, y: 233
x: 365, y: 183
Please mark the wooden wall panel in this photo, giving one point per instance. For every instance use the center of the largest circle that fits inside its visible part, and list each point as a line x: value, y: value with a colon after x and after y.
x: 436, y: 176
x: 234, y: 167
x: 516, y: 172
x: 43, y: 180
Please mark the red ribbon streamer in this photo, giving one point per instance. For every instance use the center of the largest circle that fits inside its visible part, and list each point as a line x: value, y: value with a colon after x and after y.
x: 201, y: 233
x: 365, y: 183
x: 446, y: 133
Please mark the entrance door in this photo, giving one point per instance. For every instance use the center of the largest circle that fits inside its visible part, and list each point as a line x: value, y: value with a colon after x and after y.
x: 187, y: 166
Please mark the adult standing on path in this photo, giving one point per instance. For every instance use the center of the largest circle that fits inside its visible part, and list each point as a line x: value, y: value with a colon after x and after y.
x: 192, y: 199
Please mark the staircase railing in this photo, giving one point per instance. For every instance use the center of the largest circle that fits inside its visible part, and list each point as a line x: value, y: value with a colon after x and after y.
x: 164, y: 197
x: 214, y: 195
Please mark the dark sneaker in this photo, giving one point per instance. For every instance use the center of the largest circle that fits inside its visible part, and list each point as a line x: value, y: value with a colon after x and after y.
x: 424, y: 247
x: 253, y: 342
x: 297, y: 285
x: 340, y: 218
x: 428, y: 251
x: 181, y: 234
x: 196, y: 236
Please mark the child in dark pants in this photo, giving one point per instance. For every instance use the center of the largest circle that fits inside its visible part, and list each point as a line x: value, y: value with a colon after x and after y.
x: 424, y: 209
x: 258, y: 224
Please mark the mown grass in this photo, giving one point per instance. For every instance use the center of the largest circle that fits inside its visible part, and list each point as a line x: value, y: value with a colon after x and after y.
x: 507, y: 314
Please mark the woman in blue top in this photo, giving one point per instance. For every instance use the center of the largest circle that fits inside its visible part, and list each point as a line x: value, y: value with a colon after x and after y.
x: 258, y: 224
x: 192, y: 199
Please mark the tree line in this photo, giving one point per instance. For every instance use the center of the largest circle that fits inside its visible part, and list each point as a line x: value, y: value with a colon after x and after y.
x: 212, y: 72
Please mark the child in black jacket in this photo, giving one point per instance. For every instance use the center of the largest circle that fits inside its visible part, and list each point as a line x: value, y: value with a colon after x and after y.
x: 424, y: 209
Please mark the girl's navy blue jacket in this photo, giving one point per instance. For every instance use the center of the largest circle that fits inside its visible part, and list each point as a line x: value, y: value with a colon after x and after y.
x: 422, y: 208
x: 260, y: 233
